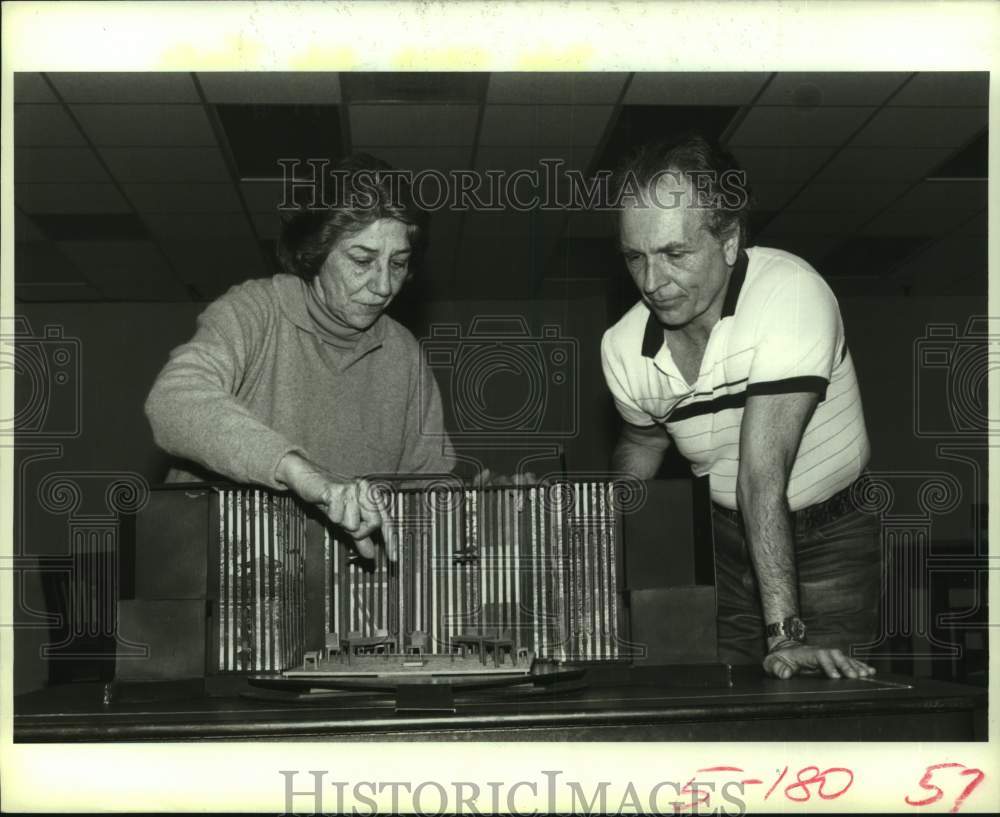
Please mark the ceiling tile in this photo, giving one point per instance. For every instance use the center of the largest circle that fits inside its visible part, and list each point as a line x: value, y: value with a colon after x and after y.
x: 509, y: 224
x: 775, y: 126
x: 812, y: 88
x: 961, y: 196
x: 32, y: 87
x: 495, y: 267
x: 209, y: 261
x: 140, y: 258
x: 789, y: 164
x: 941, y: 89
x: 772, y: 195
x: 969, y: 162
x: 591, y: 225
x: 261, y: 135
x: 513, y: 125
x: 432, y: 125
x: 45, y: 126
x: 25, y: 229
x: 55, y: 292
x: 145, y: 125
x: 125, y: 86
x: 165, y: 164
x: 67, y: 165
x: 966, y: 262
x: 914, y: 222
x: 635, y: 125
x: 512, y: 159
x: 860, y: 197
x: 922, y: 127
x: 266, y: 225
x: 811, y: 247
x: 555, y: 87
x: 40, y: 262
x: 870, y: 255
x: 977, y: 226
x: 183, y: 198
x: 271, y: 87
x: 262, y: 197
x: 413, y: 86
x: 125, y: 270
x: 421, y: 158
x: 882, y: 164
x: 92, y: 226
x: 790, y: 222
x: 170, y: 226
x: 80, y: 198
x: 694, y: 87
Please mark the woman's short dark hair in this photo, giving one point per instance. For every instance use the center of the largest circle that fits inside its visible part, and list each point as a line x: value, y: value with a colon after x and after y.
x: 363, y: 189
x: 720, y: 181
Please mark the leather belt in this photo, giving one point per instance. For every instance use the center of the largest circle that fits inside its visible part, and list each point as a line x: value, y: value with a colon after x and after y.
x: 816, y: 515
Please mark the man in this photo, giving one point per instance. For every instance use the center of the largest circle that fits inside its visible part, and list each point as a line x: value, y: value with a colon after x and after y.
x: 738, y: 357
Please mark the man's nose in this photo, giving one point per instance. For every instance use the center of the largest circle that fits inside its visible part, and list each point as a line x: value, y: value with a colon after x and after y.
x: 657, y: 275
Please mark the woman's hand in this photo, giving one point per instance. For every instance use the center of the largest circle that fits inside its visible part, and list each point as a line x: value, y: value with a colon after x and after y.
x: 351, y: 504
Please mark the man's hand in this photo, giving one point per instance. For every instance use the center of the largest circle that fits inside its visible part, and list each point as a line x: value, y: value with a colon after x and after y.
x: 785, y: 662
x: 348, y: 503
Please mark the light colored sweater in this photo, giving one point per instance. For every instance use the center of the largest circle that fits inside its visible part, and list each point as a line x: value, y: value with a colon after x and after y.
x: 257, y: 382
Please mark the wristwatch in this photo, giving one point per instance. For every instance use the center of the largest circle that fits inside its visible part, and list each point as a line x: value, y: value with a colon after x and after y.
x: 792, y: 628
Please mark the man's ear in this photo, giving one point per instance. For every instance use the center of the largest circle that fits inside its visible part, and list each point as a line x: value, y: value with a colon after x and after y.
x: 731, y: 244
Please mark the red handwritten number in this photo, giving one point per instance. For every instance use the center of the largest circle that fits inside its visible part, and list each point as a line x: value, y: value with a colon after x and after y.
x: 816, y: 776
x: 925, y: 783
x: 776, y: 782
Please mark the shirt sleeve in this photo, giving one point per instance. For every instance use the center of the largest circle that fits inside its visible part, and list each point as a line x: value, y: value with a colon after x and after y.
x: 799, y: 338
x: 614, y: 375
x: 193, y: 409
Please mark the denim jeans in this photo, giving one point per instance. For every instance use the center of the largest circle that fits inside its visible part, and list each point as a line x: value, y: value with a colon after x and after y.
x: 839, y: 579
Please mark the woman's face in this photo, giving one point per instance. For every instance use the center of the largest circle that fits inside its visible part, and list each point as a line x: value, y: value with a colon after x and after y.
x: 364, y: 271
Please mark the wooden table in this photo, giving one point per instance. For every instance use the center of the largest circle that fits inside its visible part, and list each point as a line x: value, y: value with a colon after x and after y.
x: 887, y: 708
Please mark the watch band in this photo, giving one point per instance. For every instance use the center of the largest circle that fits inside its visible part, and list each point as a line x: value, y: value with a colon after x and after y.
x: 792, y: 628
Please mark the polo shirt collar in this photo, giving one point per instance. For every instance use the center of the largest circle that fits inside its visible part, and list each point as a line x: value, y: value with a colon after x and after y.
x: 652, y: 338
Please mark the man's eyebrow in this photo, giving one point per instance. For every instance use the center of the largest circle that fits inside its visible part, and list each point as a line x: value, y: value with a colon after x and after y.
x: 363, y: 247
x: 670, y: 246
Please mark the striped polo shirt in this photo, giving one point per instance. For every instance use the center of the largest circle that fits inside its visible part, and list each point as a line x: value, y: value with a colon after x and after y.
x: 780, y: 332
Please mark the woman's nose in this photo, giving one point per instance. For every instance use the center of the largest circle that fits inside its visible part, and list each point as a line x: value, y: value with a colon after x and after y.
x: 380, y: 281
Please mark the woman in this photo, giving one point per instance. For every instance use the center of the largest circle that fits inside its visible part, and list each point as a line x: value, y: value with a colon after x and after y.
x: 301, y: 381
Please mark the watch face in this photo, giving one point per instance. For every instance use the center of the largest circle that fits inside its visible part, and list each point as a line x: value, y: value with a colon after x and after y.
x: 795, y: 628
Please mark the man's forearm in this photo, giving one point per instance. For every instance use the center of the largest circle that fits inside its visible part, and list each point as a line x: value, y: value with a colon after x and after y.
x: 771, y: 543
x: 634, y: 458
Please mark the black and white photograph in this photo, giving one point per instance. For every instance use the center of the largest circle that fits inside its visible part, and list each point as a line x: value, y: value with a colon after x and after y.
x: 558, y: 410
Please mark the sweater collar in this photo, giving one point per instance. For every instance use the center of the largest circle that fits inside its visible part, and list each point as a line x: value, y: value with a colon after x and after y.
x: 294, y: 297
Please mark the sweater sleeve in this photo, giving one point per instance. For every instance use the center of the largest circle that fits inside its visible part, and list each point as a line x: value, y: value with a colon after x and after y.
x: 427, y: 446
x: 193, y: 408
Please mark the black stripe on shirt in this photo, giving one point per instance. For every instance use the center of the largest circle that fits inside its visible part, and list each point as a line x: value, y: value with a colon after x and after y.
x: 726, y: 401
x: 791, y: 385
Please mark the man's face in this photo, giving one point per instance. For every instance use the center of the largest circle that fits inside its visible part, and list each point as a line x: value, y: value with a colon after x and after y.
x: 364, y: 272
x: 680, y: 268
